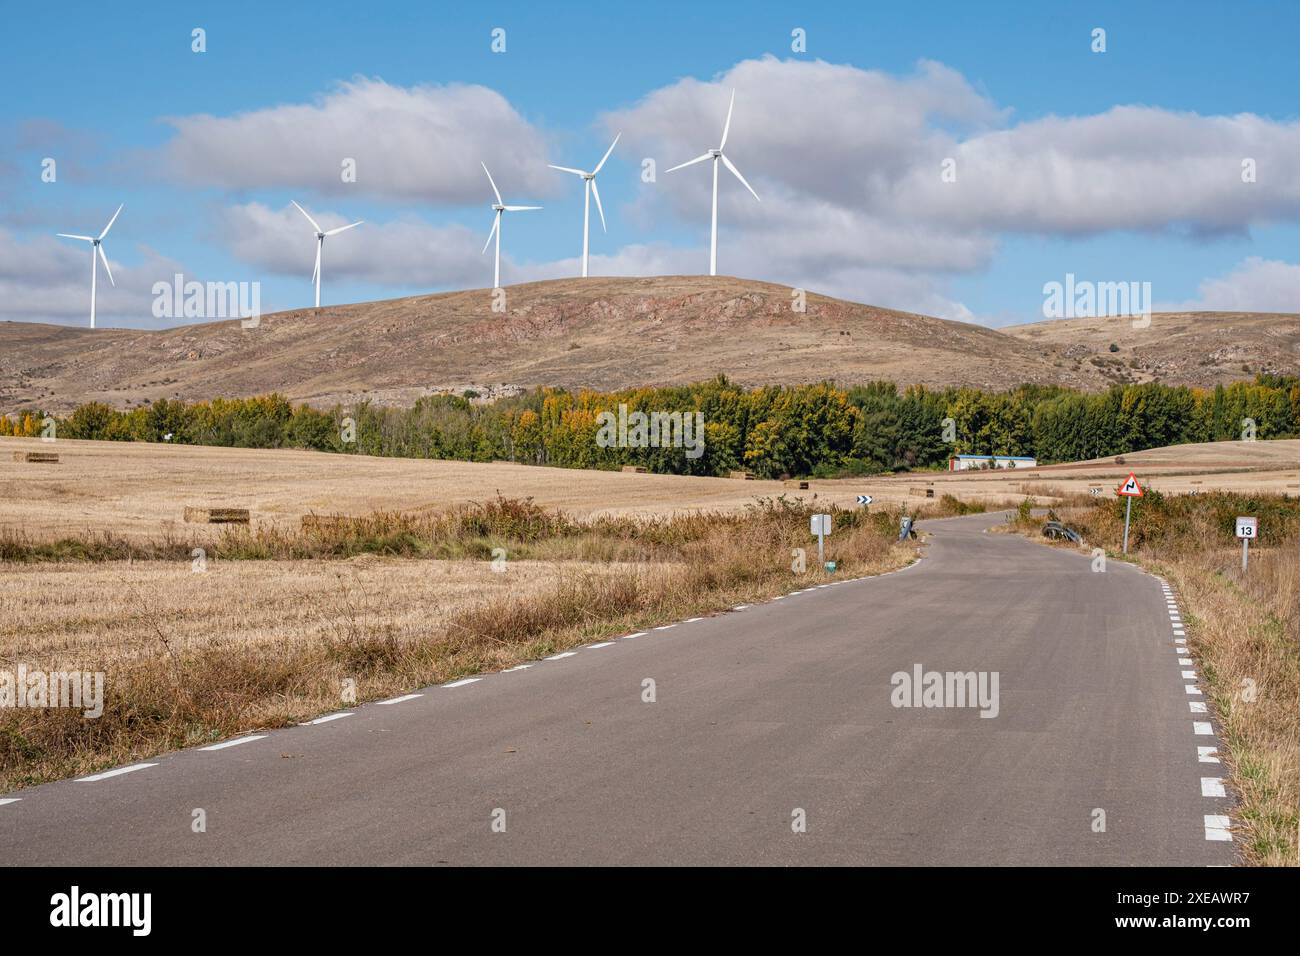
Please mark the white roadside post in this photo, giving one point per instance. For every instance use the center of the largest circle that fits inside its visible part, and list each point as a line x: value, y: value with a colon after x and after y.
x: 1130, y: 490
x: 821, y: 526
x: 1247, y: 528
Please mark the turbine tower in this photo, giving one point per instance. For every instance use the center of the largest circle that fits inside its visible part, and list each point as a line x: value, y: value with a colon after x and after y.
x: 320, y: 244
x: 498, y: 207
x: 590, y: 179
x: 716, y: 155
x: 96, y: 253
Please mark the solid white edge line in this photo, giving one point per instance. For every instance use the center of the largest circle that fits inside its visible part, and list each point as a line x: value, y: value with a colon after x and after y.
x: 115, y: 773
x: 462, y: 682
x: 398, y: 700
x: 234, y: 743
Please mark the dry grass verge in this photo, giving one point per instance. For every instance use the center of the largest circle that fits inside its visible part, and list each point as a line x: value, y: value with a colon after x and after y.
x: 191, y: 658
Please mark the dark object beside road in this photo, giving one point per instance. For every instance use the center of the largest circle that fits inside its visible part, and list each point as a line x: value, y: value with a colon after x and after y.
x: 1059, y: 532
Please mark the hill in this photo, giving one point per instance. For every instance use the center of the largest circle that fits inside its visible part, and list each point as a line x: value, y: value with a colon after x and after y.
x: 609, y: 334
x: 1178, y: 348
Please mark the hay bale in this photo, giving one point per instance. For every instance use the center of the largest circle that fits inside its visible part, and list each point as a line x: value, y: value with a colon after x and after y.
x: 37, y: 457
x: 741, y: 475
x: 216, y: 515
x: 634, y: 469
x: 801, y: 485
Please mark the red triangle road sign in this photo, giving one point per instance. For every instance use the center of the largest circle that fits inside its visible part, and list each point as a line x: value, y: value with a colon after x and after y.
x: 1130, y: 488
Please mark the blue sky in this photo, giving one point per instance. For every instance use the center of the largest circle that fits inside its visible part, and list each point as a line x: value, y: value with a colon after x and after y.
x: 1122, y: 165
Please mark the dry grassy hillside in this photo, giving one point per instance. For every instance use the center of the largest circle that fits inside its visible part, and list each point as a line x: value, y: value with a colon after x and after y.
x: 1180, y: 348
x: 599, y: 333
x: 615, y: 333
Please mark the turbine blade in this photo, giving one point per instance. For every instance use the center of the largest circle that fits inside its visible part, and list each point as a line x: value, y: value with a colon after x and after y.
x: 496, y: 221
x: 500, y: 201
x: 596, y: 192
x: 64, y: 235
x: 335, y: 232
x: 606, y: 156
x: 690, y: 162
x: 309, y: 218
x: 568, y: 169
x: 520, y: 208
x: 104, y: 259
x: 111, y: 221
x: 726, y: 162
x: 727, y: 126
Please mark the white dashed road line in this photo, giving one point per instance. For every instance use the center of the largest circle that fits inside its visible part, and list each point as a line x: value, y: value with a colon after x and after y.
x: 592, y: 647
x: 1216, y: 827
x: 235, y: 743
x: 1212, y: 787
x: 462, y: 682
x: 328, y: 717
x: 115, y: 773
x: 9, y: 800
x: 561, y: 656
x: 398, y: 700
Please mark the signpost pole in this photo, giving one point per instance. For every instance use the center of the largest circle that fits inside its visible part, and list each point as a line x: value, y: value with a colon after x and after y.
x: 1128, y: 510
x: 821, y: 542
x: 1245, y: 553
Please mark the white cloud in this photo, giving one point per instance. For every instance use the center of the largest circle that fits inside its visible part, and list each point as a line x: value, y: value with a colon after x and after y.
x: 404, y: 252
x: 420, y: 143
x: 1255, y: 285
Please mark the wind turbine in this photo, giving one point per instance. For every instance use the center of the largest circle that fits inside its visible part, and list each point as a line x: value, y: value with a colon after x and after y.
x: 499, y: 206
x: 96, y: 249
x: 320, y: 244
x: 715, y: 155
x: 590, y: 179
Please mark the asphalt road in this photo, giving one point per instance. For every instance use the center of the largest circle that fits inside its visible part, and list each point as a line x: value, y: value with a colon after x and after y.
x: 759, y: 713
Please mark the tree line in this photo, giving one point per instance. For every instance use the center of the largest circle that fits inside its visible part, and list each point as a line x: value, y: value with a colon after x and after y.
x: 818, y: 430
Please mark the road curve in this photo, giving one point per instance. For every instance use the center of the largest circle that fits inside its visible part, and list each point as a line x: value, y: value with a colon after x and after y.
x: 759, y: 713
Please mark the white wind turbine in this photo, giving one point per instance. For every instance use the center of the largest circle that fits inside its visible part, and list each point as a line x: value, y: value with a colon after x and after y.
x: 320, y: 244
x: 715, y: 155
x: 500, y: 207
x: 96, y: 250
x: 590, y: 179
